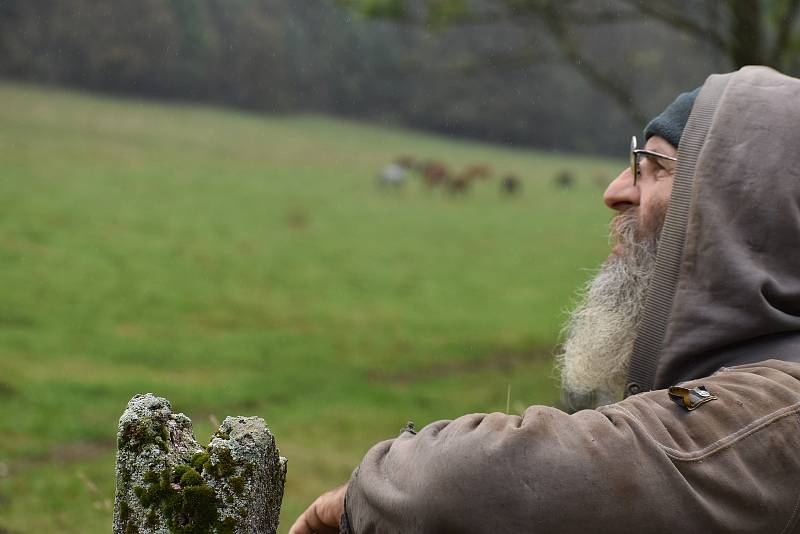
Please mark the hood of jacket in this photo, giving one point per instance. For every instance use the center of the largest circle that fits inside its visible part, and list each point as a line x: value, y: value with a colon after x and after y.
x: 726, y: 287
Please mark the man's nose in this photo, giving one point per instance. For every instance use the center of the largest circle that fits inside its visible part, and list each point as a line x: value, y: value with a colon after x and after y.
x: 621, y: 194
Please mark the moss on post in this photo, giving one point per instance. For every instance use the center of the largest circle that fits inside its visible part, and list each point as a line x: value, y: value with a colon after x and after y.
x: 168, y: 484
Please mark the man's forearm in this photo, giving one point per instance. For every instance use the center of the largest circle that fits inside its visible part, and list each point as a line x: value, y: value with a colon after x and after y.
x: 729, y: 466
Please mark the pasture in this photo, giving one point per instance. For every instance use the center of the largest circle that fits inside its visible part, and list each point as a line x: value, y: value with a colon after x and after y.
x: 245, y: 264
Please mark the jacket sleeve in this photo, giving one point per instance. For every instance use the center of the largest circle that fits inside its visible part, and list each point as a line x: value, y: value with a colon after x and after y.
x: 643, y: 464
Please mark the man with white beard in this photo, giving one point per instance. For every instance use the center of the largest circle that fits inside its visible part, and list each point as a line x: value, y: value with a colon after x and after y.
x: 687, y: 342
x: 602, y: 328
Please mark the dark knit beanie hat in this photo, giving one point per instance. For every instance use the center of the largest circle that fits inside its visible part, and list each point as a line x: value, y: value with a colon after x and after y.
x: 672, y: 121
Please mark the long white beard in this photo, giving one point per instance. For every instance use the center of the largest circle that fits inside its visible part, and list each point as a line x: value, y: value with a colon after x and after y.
x: 600, y: 331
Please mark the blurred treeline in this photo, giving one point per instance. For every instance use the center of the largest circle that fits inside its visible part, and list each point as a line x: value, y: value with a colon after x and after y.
x: 495, y: 81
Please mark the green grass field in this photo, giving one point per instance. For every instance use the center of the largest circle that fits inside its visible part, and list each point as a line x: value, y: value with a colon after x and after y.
x: 240, y: 264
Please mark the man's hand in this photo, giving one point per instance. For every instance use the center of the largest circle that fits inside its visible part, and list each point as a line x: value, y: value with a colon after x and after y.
x: 322, y: 517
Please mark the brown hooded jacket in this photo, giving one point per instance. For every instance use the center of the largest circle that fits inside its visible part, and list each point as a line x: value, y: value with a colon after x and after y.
x: 726, y: 292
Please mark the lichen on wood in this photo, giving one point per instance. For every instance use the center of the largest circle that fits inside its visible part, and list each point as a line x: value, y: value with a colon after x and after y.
x: 169, y: 484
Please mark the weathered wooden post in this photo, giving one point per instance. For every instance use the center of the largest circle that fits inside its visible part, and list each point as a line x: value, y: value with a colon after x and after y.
x: 169, y: 484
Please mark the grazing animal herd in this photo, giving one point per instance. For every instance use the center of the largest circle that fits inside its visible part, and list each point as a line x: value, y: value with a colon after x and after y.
x: 436, y: 175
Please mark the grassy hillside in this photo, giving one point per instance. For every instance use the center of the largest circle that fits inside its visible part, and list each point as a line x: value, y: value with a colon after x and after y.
x: 241, y: 264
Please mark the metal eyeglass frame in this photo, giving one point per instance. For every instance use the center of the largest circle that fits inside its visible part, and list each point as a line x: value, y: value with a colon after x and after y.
x: 636, y: 152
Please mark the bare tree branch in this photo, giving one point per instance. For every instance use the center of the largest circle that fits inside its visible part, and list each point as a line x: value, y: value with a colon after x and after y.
x: 597, y: 17
x: 738, y: 34
x: 521, y: 16
x: 504, y: 61
x: 678, y: 21
x: 605, y: 17
x: 608, y: 84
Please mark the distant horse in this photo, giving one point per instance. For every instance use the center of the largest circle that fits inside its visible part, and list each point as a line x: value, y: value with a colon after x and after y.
x: 510, y: 184
x: 392, y: 176
x: 564, y: 180
x: 407, y: 162
x: 479, y: 171
x: 434, y: 173
x: 459, y: 185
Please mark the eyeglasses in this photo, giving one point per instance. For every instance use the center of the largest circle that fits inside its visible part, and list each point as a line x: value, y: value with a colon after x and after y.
x: 637, y: 152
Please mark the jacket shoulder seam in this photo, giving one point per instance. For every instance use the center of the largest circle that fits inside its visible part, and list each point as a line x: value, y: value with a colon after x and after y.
x: 723, y: 443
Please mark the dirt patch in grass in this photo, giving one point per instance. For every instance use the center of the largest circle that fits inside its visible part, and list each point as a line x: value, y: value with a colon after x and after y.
x: 498, y: 360
x: 10, y: 320
x: 79, y: 451
x: 6, y: 391
x: 65, y: 453
x: 297, y: 219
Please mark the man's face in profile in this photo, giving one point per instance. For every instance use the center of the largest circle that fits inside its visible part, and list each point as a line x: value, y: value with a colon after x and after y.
x: 600, y: 332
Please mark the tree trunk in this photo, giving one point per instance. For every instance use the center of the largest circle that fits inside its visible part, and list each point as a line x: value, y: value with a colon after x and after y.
x: 745, y: 40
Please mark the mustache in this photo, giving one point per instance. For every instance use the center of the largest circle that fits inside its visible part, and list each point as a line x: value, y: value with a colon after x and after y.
x: 632, y: 230
x: 624, y: 228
